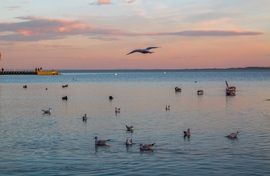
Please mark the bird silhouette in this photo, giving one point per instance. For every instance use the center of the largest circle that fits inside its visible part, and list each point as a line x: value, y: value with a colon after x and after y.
x: 143, y: 51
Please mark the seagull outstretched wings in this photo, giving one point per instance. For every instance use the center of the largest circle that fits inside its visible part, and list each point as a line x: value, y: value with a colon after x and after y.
x: 143, y: 51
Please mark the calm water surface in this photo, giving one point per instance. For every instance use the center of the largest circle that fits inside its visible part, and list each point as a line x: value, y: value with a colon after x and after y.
x: 61, y: 144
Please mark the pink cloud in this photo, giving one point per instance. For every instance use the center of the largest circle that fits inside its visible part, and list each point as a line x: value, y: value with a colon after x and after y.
x: 106, y: 2
x: 206, y: 33
x: 24, y: 32
x: 101, y: 2
x: 35, y: 29
x: 216, y: 33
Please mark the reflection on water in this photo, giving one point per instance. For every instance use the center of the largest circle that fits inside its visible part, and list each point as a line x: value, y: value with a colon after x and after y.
x: 62, y: 144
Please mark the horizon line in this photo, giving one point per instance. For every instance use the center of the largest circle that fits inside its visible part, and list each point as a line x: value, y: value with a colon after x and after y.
x: 228, y: 68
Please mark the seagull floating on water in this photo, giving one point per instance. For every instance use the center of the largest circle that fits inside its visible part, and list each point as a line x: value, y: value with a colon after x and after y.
x: 143, y: 51
x: 130, y: 128
x: 200, y: 92
x: 146, y: 146
x: 100, y: 142
x: 187, y: 133
x: 66, y: 85
x: 232, y: 135
x: 84, y: 118
x: 178, y: 89
x: 129, y: 141
x: 47, y: 111
x: 117, y: 110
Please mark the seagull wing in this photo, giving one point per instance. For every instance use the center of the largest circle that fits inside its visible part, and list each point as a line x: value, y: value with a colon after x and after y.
x: 134, y: 51
x: 151, y: 47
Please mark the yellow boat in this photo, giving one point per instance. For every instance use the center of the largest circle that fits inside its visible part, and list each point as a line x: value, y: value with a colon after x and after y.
x: 48, y: 72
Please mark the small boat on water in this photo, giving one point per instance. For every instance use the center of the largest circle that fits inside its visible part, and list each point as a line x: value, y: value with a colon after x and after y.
x: 41, y: 72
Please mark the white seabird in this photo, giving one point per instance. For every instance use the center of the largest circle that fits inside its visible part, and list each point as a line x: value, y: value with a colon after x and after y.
x: 143, y: 51
x: 100, y: 142
x: 129, y: 141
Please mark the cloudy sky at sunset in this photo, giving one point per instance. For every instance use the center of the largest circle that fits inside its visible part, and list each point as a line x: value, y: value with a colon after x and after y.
x: 97, y: 34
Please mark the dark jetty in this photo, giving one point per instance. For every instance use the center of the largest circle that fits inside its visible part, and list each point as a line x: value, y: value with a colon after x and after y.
x: 18, y: 73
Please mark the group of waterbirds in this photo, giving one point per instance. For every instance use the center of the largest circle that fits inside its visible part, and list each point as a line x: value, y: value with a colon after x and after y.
x: 232, y: 135
x: 230, y: 90
x: 131, y: 128
x: 148, y: 147
x: 128, y: 142
x: 48, y: 111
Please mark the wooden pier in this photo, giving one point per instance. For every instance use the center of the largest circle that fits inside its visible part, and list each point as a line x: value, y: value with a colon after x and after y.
x: 18, y: 73
x: 29, y: 72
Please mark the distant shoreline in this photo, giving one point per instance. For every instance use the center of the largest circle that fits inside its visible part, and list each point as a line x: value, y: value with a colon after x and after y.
x: 186, y: 69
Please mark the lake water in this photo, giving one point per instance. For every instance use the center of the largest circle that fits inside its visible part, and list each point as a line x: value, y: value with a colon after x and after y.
x: 32, y: 143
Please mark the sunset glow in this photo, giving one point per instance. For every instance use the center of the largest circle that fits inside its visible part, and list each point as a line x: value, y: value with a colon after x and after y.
x: 97, y: 34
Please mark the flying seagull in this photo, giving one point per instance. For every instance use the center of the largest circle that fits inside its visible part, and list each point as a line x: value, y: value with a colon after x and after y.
x: 143, y: 51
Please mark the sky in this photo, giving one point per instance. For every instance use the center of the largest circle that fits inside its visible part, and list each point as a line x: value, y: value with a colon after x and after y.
x: 98, y: 34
